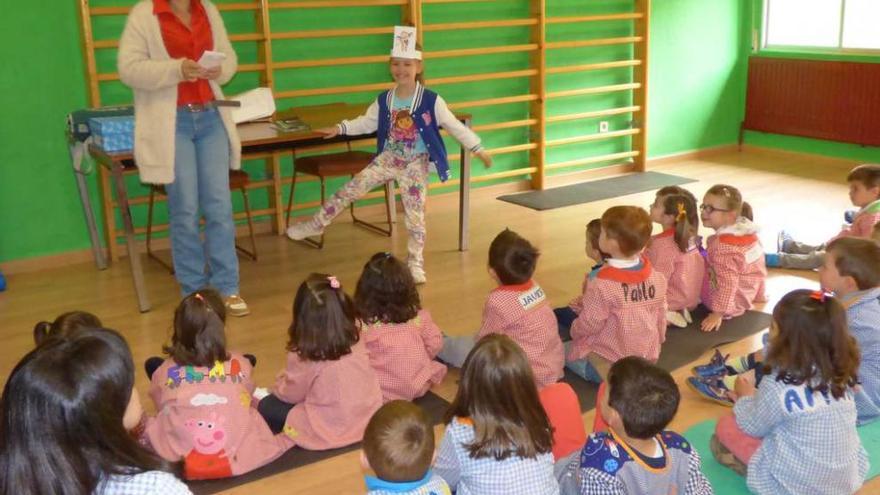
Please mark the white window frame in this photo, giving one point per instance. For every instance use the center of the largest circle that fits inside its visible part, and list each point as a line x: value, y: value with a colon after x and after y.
x: 839, y: 49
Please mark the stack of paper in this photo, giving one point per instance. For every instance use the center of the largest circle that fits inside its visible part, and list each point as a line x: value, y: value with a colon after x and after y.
x: 255, y: 104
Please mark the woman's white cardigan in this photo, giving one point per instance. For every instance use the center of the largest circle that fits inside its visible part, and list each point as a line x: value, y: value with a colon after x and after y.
x: 145, y: 66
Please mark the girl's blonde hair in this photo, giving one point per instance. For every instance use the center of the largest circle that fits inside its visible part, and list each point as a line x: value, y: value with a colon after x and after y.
x: 732, y: 200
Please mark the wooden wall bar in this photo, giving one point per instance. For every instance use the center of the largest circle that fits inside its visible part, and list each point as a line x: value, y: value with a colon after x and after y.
x: 270, y: 64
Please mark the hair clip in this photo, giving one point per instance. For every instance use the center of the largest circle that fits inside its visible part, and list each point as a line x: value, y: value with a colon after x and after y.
x: 387, y: 254
x: 819, y: 295
x: 334, y: 284
x: 682, y: 212
x: 199, y: 297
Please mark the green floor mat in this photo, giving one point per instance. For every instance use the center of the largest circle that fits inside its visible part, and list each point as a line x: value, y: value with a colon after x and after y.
x: 726, y: 482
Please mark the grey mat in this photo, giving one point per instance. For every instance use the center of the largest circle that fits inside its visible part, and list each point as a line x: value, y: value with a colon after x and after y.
x: 682, y: 346
x: 296, y: 457
x: 596, y: 190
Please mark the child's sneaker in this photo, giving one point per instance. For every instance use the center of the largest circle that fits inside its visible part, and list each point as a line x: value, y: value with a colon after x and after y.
x: 783, y: 241
x: 712, y: 389
x: 676, y: 319
x: 418, y: 275
x: 687, y: 316
x: 716, y: 366
x: 772, y: 260
x: 302, y: 230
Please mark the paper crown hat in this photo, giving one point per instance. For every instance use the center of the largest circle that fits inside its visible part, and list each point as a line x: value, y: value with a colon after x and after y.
x: 405, y: 43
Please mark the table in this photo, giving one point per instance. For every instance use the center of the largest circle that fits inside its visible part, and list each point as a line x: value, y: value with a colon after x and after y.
x: 256, y: 138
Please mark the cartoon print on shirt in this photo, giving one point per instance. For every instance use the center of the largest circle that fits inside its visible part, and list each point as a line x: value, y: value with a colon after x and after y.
x: 207, y: 459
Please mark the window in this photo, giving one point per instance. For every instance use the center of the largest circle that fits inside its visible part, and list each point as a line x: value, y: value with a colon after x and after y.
x: 825, y: 24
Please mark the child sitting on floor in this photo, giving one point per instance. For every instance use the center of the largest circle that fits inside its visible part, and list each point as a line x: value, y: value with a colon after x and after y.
x: 636, y: 454
x: 498, y: 438
x: 735, y: 271
x: 202, y: 394
x: 796, y: 432
x: 565, y: 316
x: 675, y: 252
x: 401, y: 337
x: 517, y: 308
x: 325, y: 395
x: 864, y: 192
x: 851, y: 270
x: 624, y: 311
x: 399, y: 449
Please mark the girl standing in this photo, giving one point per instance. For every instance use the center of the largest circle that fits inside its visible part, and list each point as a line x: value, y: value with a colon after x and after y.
x: 407, y: 120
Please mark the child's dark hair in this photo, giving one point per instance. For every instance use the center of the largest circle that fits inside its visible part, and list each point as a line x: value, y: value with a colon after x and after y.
x: 199, y: 337
x: 857, y: 258
x: 594, y: 230
x: 687, y: 219
x: 644, y: 395
x: 733, y: 200
x: 630, y: 226
x: 323, y: 326
x: 399, y: 442
x: 64, y: 324
x: 868, y: 175
x: 512, y: 257
x: 386, y: 292
x: 812, y: 344
x: 497, y: 392
x: 61, y: 427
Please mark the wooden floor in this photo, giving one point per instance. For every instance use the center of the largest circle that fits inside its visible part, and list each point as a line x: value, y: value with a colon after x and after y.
x: 804, y: 194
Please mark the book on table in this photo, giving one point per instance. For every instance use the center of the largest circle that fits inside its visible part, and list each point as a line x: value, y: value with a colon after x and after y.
x: 291, y: 124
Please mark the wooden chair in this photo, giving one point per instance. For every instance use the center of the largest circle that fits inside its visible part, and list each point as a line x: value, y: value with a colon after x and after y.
x: 238, y: 179
x: 347, y: 163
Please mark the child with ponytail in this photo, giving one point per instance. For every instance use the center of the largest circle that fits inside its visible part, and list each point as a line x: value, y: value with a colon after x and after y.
x: 675, y: 252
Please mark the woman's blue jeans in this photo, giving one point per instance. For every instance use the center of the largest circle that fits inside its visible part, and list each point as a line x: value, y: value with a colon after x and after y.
x: 201, y: 188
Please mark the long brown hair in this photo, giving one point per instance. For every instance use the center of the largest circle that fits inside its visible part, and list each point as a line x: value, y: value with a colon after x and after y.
x: 61, y: 415
x: 199, y: 337
x: 323, y: 326
x: 687, y: 219
x: 497, y: 392
x: 813, y: 345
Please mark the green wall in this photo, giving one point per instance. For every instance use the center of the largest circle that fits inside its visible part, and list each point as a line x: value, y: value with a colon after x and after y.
x: 796, y: 143
x: 695, y: 98
x: 697, y: 74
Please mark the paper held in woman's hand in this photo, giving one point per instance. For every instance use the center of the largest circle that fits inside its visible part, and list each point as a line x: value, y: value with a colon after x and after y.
x: 211, y: 59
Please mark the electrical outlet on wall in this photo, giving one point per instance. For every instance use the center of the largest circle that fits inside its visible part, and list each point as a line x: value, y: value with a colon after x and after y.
x: 603, y: 126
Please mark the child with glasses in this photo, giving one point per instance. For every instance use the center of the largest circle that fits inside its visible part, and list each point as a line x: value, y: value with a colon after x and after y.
x: 735, y: 270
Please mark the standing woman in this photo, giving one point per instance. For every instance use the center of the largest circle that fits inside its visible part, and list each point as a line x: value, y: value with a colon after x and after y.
x: 182, y: 140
